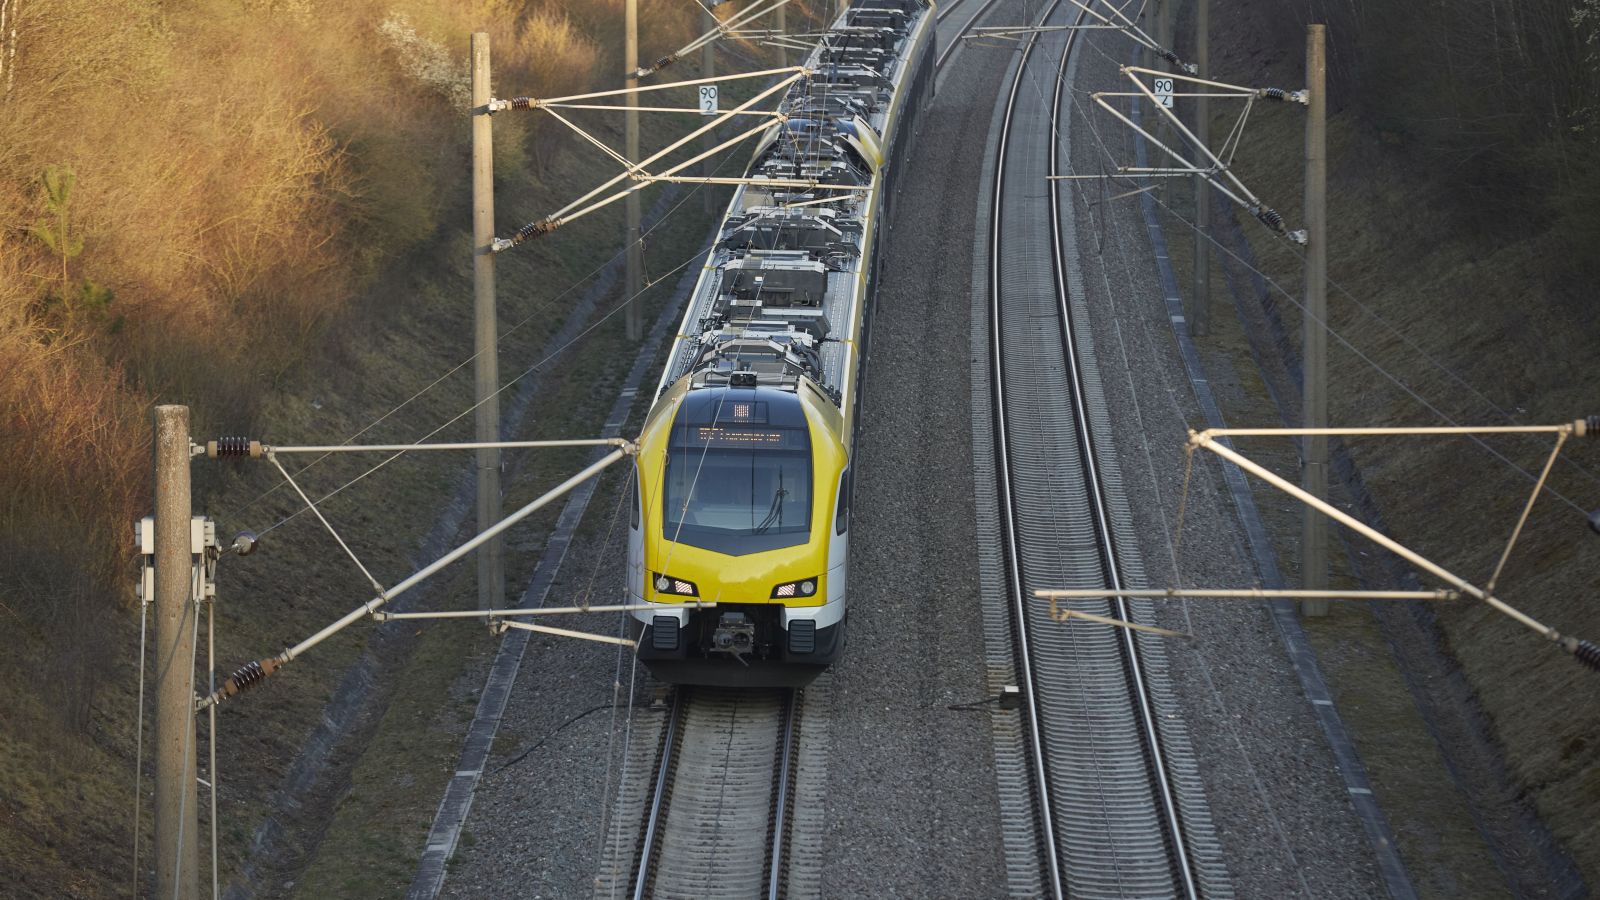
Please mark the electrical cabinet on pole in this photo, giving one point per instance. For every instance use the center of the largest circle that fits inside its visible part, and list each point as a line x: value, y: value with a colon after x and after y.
x: 632, y: 316
x: 177, y: 799
x: 485, y: 344
x: 1314, y: 476
x: 1200, y: 310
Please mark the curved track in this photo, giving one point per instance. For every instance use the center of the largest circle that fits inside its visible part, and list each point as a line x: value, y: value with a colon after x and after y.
x: 726, y: 762
x: 1110, y: 821
x: 969, y: 14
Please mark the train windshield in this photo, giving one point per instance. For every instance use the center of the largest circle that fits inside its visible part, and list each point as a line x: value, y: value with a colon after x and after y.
x: 737, y: 490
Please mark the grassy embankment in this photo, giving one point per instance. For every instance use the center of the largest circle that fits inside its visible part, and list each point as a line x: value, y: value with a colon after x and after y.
x: 264, y: 221
x: 1465, y: 227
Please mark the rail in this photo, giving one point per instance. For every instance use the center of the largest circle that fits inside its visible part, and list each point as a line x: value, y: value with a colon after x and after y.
x: 725, y: 769
x: 1109, y: 819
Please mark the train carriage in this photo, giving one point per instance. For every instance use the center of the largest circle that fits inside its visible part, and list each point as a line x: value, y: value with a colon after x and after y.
x: 742, y: 482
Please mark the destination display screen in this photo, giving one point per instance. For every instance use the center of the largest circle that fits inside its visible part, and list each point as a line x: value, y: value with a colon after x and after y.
x: 720, y: 436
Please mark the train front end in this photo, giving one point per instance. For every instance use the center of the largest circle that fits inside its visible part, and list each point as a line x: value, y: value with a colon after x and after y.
x: 740, y: 501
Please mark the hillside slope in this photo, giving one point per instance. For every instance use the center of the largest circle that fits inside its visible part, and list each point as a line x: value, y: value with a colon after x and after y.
x: 258, y: 209
x: 1462, y: 222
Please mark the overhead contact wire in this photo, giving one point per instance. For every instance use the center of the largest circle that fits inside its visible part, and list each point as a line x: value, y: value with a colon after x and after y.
x: 1337, y: 335
x: 658, y: 223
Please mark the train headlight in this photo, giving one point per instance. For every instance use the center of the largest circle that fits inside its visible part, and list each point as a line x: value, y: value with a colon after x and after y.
x: 666, y: 584
x: 806, y: 587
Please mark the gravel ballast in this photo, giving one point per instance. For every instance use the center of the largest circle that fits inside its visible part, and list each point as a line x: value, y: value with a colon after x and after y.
x: 1286, y: 824
x: 910, y: 804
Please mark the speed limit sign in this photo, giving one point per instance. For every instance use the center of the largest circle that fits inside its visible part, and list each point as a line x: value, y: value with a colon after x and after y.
x: 1163, y: 92
x: 708, y: 100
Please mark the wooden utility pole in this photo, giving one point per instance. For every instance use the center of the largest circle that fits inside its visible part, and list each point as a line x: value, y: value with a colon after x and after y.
x: 1200, y: 312
x: 708, y: 68
x: 177, y: 800
x: 486, y: 342
x: 632, y: 315
x: 1314, y: 477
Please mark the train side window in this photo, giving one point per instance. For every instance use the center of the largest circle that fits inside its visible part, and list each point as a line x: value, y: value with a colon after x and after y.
x: 633, y: 497
x: 842, y: 517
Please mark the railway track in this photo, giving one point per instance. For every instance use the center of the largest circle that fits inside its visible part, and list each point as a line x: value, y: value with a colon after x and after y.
x: 1116, y: 795
x: 721, y: 807
x: 720, y: 812
x: 961, y: 16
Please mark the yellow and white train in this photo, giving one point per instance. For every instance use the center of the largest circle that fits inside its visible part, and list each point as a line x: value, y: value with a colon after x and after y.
x: 742, y: 480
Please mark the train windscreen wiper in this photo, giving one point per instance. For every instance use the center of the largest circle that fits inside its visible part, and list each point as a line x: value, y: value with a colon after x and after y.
x: 775, y: 513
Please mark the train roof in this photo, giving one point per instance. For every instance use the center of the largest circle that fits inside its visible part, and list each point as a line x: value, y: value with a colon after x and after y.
x: 781, y: 293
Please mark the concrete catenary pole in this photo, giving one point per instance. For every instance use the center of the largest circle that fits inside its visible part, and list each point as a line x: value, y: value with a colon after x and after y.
x: 780, y: 24
x: 1200, y: 313
x: 1164, y: 30
x: 1314, y: 478
x: 708, y: 68
x: 177, y: 800
x: 633, y: 317
x: 1147, y: 20
x: 486, y: 362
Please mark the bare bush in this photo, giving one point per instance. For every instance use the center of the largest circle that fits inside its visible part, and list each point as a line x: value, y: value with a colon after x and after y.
x: 427, y: 62
x: 190, y: 200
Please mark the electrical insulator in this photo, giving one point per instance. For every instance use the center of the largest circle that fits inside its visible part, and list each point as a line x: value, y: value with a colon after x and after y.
x: 245, y: 677
x: 1588, y: 654
x: 534, y: 230
x: 233, y: 448
x: 1269, y: 217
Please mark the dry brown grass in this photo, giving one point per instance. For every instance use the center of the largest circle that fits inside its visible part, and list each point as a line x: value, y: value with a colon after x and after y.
x: 245, y: 172
x: 241, y: 172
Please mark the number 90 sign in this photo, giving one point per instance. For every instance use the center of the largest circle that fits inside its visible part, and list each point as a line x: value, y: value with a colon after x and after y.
x: 1163, y: 92
x: 708, y: 99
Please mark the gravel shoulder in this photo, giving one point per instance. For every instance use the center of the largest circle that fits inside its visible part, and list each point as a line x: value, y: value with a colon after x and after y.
x: 910, y: 790
x: 911, y: 802
x: 537, y: 826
